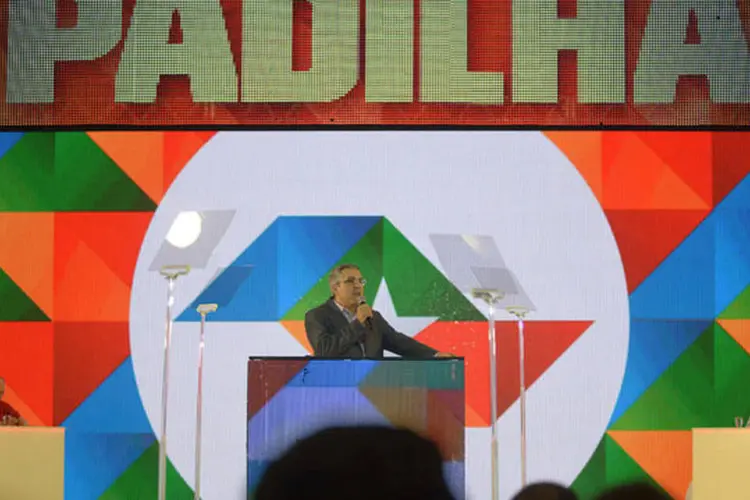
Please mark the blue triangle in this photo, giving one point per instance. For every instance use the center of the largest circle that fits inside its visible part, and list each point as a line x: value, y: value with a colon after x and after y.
x: 732, y: 262
x: 333, y: 373
x: 255, y: 299
x: 114, y: 407
x: 8, y: 140
x: 682, y: 287
x: 707, y: 271
x: 94, y: 461
x: 739, y: 197
x: 297, y: 412
x: 654, y: 346
x: 309, y: 247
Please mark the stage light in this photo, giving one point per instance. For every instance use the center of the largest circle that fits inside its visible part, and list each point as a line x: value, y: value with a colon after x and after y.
x: 185, y: 230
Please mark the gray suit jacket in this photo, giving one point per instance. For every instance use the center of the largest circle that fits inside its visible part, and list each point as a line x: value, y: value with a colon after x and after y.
x: 332, y: 336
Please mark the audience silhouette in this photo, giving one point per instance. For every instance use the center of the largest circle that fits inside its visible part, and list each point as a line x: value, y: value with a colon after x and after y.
x: 363, y: 463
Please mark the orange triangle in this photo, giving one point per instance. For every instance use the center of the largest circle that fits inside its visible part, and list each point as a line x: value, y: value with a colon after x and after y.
x: 85, y: 355
x: 584, y: 150
x: 25, y: 410
x: 179, y: 149
x: 27, y: 254
x: 86, y: 289
x: 634, y: 177
x: 646, y: 237
x: 138, y: 154
x: 666, y: 456
x: 473, y: 419
x: 26, y: 363
x: 297, y: 329
x: 689, y: 155
x: 116, y: 237
x: 739, y: 330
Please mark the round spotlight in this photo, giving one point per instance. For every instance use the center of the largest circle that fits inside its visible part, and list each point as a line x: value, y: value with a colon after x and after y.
x: 185, y: 229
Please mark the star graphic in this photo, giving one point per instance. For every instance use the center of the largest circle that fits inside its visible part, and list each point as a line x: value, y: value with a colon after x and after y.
x: 408, y: 325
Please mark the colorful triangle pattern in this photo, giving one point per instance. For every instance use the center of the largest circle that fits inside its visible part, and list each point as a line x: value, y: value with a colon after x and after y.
x: 65, y: 171
x: 677, y: 203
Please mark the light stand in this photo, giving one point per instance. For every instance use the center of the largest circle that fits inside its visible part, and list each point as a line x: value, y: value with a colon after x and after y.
x: 491, y: 298
x: 520, y: 314
x: 203, y: 310
x: 171, y: 273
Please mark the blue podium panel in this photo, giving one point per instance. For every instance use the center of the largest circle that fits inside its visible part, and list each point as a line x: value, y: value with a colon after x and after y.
x: 291, y: 398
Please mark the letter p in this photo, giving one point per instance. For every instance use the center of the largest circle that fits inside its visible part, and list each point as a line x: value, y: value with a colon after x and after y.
x: 35, y: 44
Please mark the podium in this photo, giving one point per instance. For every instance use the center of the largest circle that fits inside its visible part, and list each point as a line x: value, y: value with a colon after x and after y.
x: 720, y: 458
x: 291, y: 398
x: 32, y: 463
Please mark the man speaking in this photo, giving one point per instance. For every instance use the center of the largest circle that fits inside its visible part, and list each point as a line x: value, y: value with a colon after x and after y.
x: 346, y: 327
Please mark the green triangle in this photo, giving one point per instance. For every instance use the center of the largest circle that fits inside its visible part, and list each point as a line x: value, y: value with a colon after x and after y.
x: 417, y: 287
x: 682, y: 397
x: 739, y: 308
x: 17, y: 306
x: 87, y: 179
x: 367, y: 254
x: 731, y: 375
x: 26, y: 170
x: 141, y: 480
x: 65, y: 171
x: 593, y: 478
x: 622, y: 469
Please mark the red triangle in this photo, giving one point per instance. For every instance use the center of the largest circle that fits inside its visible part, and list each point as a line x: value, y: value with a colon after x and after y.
x: 453, y: 402
x: 85, y: 287
x: 22, y: 408
x: 730, y: 162
x: 267, y: 377
x: 26, y: 363
x: 687, y: 154
x: 115, y: 237
x: 85, y: 355
x: 546, y: 341
x: 634, y: 177
x: 445, y: 422
x: 666, y: 456
x: 179, y: 149
x: 468, y: 340
x: 646, y: 237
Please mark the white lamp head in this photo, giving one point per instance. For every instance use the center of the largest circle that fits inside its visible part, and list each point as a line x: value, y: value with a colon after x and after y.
x: 185, y: 230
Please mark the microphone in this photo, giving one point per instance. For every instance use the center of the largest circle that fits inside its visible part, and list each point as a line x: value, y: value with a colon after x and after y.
x: 368, y: 321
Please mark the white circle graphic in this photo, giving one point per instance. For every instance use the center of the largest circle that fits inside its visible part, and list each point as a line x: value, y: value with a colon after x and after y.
x: 515, y: 186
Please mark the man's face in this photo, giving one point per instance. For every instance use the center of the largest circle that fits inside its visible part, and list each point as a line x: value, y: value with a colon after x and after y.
x: 350, y: 288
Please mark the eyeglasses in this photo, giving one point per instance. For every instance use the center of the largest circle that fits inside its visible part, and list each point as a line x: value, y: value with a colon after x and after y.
x: 351, y: 281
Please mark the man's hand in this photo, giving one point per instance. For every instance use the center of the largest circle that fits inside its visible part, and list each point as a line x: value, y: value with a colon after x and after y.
x: 364, y: 312
x: 445, y: 355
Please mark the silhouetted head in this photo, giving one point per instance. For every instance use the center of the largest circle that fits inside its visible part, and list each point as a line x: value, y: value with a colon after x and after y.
x: 545, y: 491
x: 366, y: 463
x: 635, y: 491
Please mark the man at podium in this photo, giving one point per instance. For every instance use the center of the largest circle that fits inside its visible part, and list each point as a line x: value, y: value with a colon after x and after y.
x: 8, y: 415
x: 346, y: 327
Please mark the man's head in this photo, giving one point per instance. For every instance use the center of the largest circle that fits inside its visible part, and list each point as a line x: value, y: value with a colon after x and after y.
x: 364, y: 463
x: 545, y: 491
x: 2, y: 387
x: 347, y: 284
